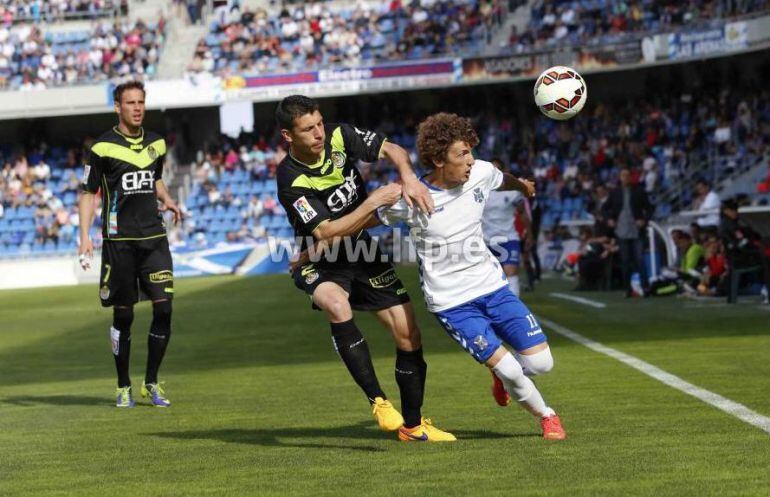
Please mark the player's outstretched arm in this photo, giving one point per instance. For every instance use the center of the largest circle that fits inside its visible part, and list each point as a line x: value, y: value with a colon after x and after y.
x: 362, y: 217
x: 331, y: 231
x: 322, y: 246
x: 86, y: 216
x: 511, y: 182
x: 415, y: 192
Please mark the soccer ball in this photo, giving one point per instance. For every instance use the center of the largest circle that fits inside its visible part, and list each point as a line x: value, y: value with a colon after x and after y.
x: 560, y: 92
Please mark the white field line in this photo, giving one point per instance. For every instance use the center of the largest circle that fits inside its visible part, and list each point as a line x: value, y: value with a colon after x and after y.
x: 715, y: 400
x: 579, y: 300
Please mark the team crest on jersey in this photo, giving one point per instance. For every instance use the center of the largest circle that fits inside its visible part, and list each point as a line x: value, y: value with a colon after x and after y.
x: 338, y: 159
x: 152, y: 153
x: 304, y: 209
x: 478, y: 195
x: 104, y: 292
x: 480, y: 342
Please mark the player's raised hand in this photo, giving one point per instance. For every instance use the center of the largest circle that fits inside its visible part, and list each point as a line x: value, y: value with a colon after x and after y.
x: 85, y: 253
x: 386, y: 195
x: 171, y: 206
x: 415, y: 192
x: 528, y: 187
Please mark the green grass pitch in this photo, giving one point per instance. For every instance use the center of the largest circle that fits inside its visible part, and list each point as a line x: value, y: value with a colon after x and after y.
x: 262, y: 405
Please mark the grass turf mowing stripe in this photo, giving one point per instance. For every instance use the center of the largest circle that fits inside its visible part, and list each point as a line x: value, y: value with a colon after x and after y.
x: 723, y: 404
x: 579, y: 300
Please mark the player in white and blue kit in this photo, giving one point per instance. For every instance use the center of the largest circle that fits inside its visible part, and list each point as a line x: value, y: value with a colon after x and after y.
x: 500, y: 234
x: 463, y: 283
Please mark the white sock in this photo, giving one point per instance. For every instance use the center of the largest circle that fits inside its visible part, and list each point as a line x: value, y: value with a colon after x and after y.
x: 513, y: 284
x: 520, y: 387
x: 535, y: 364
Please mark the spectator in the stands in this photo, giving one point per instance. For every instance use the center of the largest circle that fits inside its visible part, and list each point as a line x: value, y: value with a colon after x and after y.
x: 628, y: 211
x: 707, y: 204
x: 254, y: 209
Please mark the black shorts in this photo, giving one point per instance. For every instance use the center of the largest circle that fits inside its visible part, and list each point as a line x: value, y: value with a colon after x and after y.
x: 371, y: 286
x: 131, y: 266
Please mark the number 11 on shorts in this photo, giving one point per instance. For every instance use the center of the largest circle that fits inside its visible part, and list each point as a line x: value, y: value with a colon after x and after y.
x: 532, y: 322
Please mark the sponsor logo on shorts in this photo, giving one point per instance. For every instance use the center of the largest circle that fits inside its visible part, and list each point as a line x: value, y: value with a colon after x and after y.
x: 480, y: 342
x: 104, y: 292
x: 86, y: 173
x: 384, y: 280
x: 310, y: 274
x: 161, y: 276
x: 533, y: 333
x: 401, y: 291
x: 304, y: 209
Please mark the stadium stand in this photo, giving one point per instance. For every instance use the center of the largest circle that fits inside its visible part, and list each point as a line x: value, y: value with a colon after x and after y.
x: 36, y: 57
x: 316, y: 35
x: 38, y: 202
x: 36, y: 11
x: 580, y: 22
x: 233, y: 192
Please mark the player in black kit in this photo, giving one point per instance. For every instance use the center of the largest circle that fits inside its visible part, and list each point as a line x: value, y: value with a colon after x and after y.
x: 126, y: 165
x: 324, y: 196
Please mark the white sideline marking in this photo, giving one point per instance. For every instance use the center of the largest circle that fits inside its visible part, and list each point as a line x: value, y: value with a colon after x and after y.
x: 723, y: 404
x: 579, y: 300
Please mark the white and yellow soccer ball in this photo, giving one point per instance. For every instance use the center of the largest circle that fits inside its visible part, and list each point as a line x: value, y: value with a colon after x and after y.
x: 560, y: 92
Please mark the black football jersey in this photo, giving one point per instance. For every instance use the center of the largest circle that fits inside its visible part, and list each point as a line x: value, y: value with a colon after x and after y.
x: 125, y: 169
x: 332, y: 187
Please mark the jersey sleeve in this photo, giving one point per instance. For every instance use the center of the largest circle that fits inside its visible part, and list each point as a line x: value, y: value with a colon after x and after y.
x: 393, y: 214
x: 159, y: 163
x: 398, y: 212
x: 359, y: 143
x: 488, y: 176
x: 495, y: 178
x: 92, y: 172
x: 304, y: 209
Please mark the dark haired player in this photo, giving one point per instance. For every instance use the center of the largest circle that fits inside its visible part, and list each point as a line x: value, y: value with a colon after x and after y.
x: 126, y: 165
x: 326, y: 201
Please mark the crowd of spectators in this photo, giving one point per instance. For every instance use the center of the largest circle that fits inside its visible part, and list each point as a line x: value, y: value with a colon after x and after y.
x: 38, y: 196
x: 36, y: 11
x: 314, y: 35
x: 580, y: 22
x: 33, y: 59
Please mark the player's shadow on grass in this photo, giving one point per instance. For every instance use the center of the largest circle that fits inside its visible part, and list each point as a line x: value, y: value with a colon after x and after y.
x: 55, y: 400
x: 489, y: 435
x: 288, y: 437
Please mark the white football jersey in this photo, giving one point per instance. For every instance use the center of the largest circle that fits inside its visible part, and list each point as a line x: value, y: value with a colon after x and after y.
x: 455, y: 264
x: 498, y: 215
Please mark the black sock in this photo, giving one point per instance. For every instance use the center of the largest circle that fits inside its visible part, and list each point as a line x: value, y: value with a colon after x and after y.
x: 157, y: 341
x: 354, y: 352
x: 120, y: 336
x: 410, y: 376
